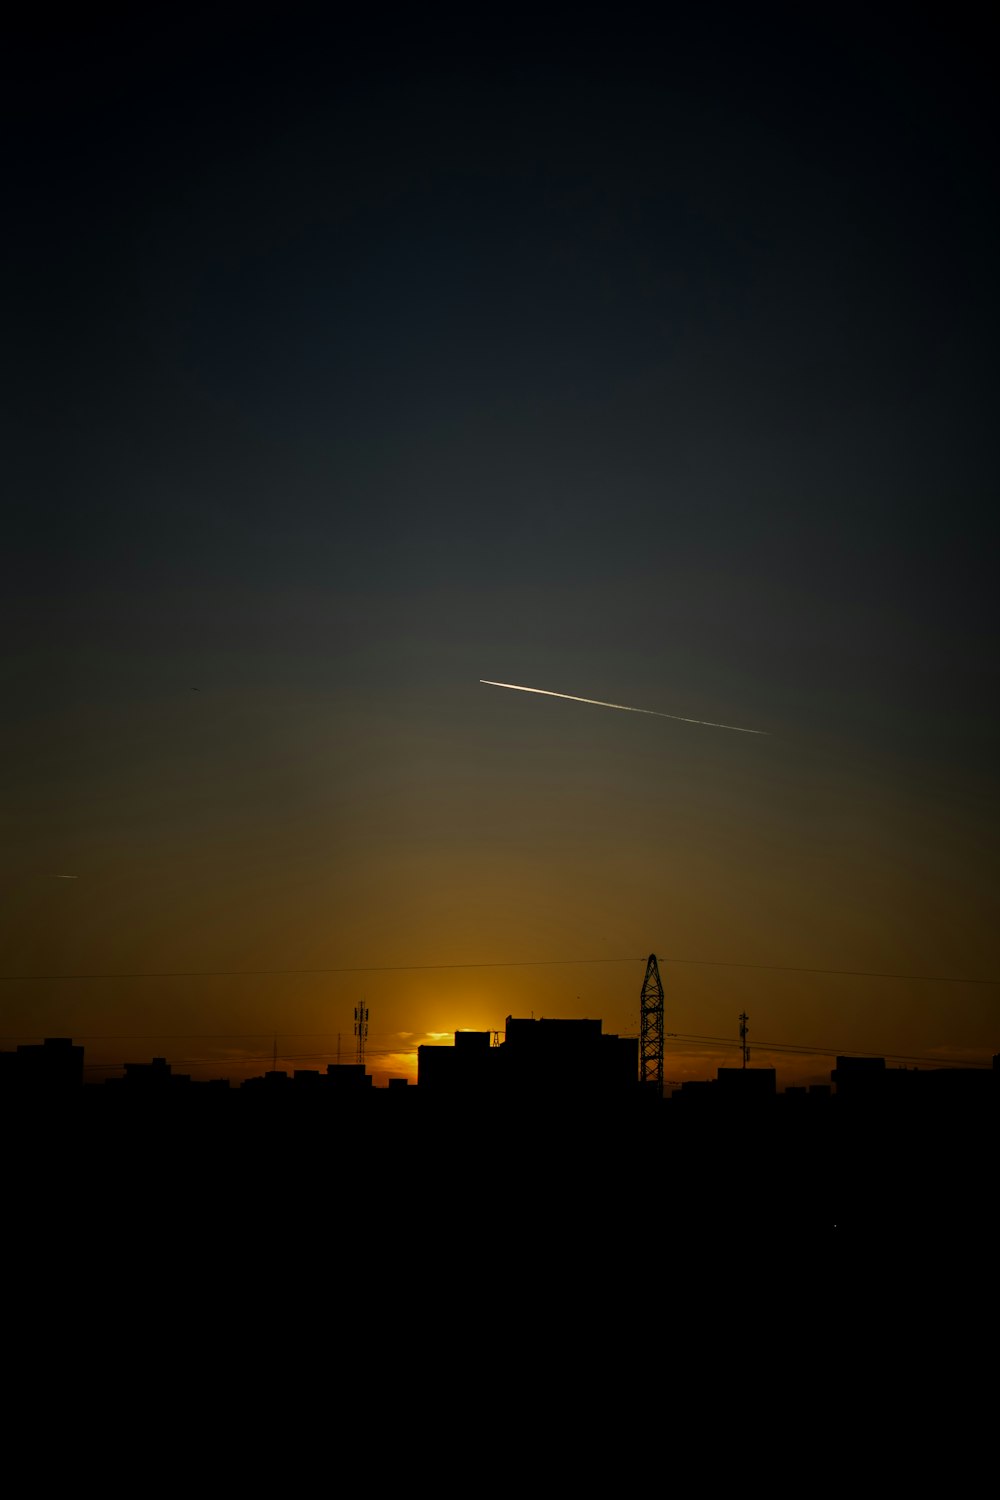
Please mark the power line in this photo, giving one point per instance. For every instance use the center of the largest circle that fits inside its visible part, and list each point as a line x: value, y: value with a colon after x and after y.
x: 804, y: 1050
x: 845, y: 973
x: 525, y: 963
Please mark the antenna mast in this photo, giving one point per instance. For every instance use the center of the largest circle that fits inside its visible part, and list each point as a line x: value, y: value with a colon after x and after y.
x: 651, y: 1027
x: 744, y: 1028
x: 361, y: 1029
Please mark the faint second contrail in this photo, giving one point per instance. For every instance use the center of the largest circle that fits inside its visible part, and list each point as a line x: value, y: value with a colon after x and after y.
x: 624, y: 707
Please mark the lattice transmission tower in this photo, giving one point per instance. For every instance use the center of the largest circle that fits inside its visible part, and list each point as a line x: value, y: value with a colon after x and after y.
x: 651, y: 1026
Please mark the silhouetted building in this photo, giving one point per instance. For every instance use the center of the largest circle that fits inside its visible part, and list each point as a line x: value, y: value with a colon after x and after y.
x: 537, y: 1059
x: 156, y: 1076
x: 347, y: 1078
x: 867, y: 1080
x: 273, y: 1081
x: 471, y: 1066
x: 568, y: 1057
x: 695, y: 1090
x: 730, y: 1088
x: 52, y: 1066
x: 859, y: 1077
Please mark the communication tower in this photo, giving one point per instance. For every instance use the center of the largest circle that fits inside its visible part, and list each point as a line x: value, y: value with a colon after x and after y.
x: 744, y: 1028
x: 361, y: 1029
x: 651, y: 1026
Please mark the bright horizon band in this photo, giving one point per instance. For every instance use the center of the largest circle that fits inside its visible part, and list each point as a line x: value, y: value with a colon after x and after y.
x: 624, y: 707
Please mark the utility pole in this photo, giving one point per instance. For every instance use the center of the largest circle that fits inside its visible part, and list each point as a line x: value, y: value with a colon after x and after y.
x: 744, y: 1028
x: 361, y: 1029
x: 651, y: 1027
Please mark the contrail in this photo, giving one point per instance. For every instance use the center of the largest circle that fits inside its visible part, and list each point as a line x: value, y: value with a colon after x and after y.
x: 624, y: 707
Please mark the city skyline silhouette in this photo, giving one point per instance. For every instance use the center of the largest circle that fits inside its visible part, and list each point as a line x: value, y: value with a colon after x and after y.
x: 690, y: 1054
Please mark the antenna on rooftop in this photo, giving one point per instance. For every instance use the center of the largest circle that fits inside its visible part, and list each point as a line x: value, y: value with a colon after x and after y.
x: 361, y: 1029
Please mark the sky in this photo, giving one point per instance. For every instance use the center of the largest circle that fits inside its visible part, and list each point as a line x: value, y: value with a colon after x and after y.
x: 349, y: 365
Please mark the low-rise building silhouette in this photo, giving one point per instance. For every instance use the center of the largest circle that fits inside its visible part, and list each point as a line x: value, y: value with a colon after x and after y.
x: 52, y: 1066
x: 156, y: 1076
x: 731, y: 1088
x: 537, y: 1059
